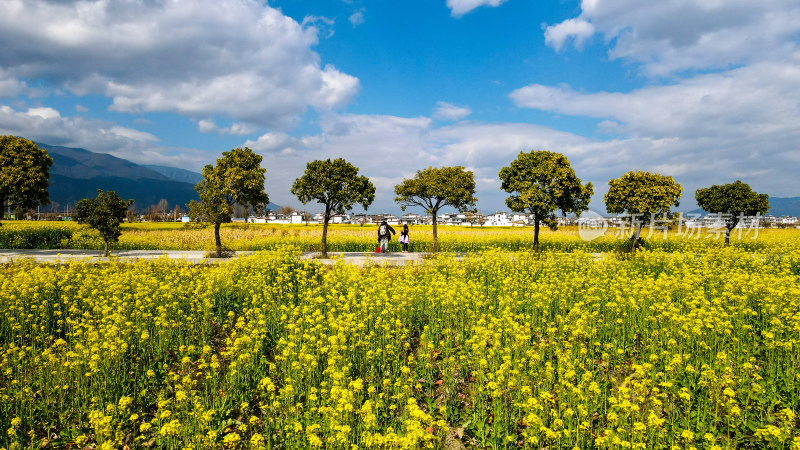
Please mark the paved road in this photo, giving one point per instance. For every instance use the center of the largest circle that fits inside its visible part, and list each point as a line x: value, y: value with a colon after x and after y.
x: 196, y: 257
x: 199, y: 257
x: 366, y: 258
x: 93, y: 256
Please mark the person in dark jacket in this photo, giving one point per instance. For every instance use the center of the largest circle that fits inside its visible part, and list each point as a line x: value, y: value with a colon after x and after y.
x: 383, y: 235
x: 403, y: 239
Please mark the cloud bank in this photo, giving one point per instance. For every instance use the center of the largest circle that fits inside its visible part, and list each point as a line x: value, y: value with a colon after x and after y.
x: 239, y: 59
x: 47, y: 125
x: 671, y: 36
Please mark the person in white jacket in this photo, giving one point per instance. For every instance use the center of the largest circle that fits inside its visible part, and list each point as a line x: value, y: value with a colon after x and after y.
x: 403, y: 239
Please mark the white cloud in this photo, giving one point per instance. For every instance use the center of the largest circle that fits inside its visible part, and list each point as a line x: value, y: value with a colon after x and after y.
x: 335, y: 83
x: 460, y: 7
x: 44, y: 113
x: 132, y: 134
x: 449, y: 111
x: 239, y: 129
x: 48, y: 126
x: 206, y: 126
x: 239, y: 59
x: 670, y: 36
x: 10, y: 86
x: 323, y: 25
x: 236, y: 128
x: 357, y: 18
x: 753, y: 102
x: 273, y: 142
x: 577, y: 30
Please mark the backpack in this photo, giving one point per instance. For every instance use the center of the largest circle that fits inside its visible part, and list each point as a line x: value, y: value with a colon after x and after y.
x: 382, y: 231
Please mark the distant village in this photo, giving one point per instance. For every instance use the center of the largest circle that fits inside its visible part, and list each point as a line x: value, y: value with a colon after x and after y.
x: 501, y: 219
x: 468, y: 219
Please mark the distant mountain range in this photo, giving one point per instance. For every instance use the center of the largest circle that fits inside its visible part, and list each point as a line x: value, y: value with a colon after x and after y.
x: 778, y: 206
x: 77, y: 173
x: 175, y: 174
x: 784, y: 206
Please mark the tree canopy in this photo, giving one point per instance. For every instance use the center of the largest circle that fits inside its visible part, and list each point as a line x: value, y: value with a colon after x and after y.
x: 644, y: 196
x: 541, y: 183
x: 24, y: 175
x: 104, y: 214
x: 732, y: 201
x: 237, y: 178
x: 434, y: 188
x: 335, y: 184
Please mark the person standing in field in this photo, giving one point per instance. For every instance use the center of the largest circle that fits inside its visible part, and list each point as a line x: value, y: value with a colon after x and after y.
x: 383, y: 235
x: 403, y: 239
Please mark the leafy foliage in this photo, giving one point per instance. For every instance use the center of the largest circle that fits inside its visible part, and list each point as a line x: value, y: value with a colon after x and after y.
x: 542, y: 182
x: 335, y: 184
x: 644, y: 195
x: 236, y: 179
x: 24, y: 174
x: 434, y: 188
x: 732, y: 200
x: 104, y: 214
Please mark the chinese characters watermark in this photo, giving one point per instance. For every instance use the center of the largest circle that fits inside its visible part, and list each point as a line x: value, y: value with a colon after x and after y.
x: 686, y: 226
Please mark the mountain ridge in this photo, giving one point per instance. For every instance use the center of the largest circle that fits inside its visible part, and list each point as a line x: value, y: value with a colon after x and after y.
x: 176, y: 174
x: 80, y: 163
x: 77, y: 173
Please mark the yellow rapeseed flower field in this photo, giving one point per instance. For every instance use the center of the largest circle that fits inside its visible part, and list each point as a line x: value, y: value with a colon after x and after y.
x: 355, y: 238
x: 684, y: 345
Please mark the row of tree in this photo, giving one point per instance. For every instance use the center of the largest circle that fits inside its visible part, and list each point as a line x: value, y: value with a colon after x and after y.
x: 540, y: 183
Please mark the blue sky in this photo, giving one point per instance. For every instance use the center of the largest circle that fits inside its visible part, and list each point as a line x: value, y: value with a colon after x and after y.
x: 706, y: 91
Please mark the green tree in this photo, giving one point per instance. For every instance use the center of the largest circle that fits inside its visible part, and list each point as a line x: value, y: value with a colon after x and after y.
x: 541, y: 183
x: 732, y: 201
x: 24, y: 175
x: 335, y: 184
x: 104, y: 214
x: 644, y: 196
x: 435, y: 188
x: 237, y: 178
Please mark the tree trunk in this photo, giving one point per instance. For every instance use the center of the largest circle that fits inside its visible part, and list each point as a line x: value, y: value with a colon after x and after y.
x: 636, y: 237
x: 435, y: 235
x: 105, y: 253
x: 728, y: 236
x: 324, y: 247
x: 217, y: 240
x: 536, y: 233
x: 2, y: 207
